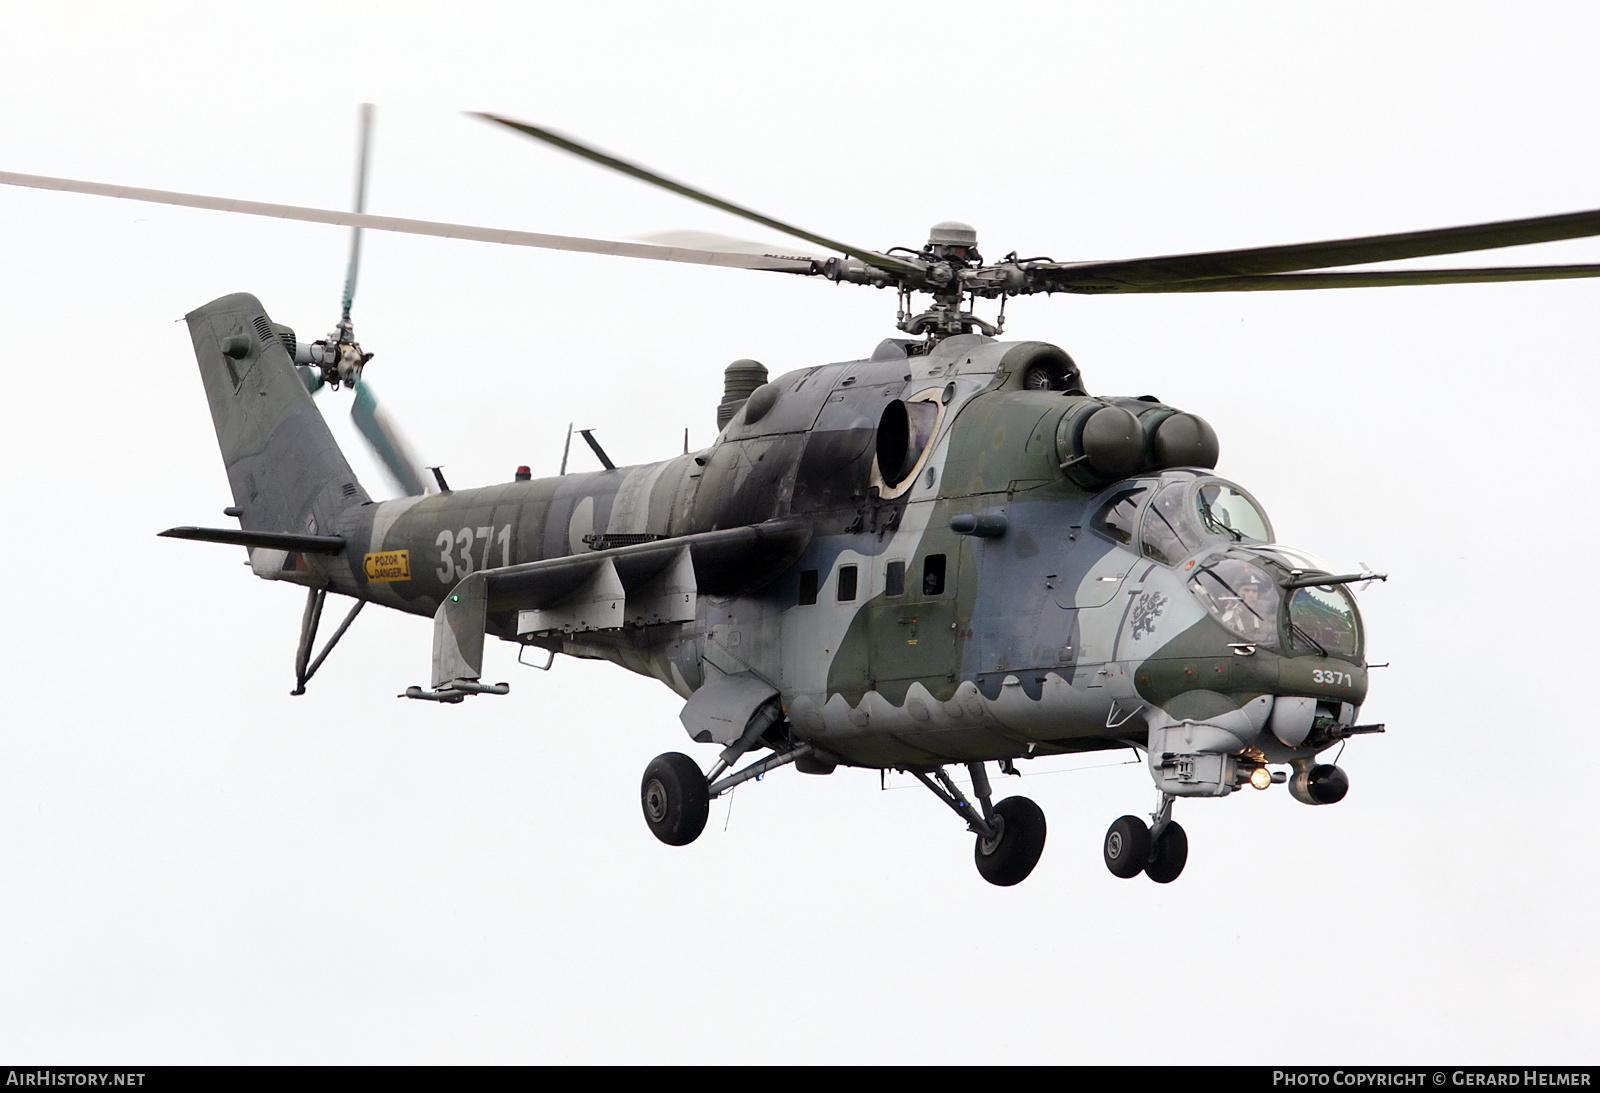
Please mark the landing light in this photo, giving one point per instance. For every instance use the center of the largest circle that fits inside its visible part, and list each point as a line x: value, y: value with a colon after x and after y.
x: 1261, y: 777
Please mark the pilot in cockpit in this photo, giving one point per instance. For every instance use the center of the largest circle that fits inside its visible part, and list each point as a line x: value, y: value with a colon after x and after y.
x: 1250, y: 615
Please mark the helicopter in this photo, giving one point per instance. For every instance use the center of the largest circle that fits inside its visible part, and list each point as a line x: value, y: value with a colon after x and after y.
x: 944, y: 554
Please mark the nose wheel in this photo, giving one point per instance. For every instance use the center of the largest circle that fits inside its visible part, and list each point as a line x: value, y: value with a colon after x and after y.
x: 1159, y: 851
x: 1168, y: 853
x: 1127, y: 847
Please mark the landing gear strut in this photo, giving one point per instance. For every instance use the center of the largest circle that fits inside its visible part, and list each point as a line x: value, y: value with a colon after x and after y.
x: 1010, y: 834
x: 677, y: 798
x: 1158, y: 851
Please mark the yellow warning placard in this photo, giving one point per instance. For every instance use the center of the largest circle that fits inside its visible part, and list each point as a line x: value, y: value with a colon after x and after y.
x: 389, y: 565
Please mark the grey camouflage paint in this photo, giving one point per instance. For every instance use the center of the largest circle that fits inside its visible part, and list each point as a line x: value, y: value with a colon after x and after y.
x: 1049, y: 637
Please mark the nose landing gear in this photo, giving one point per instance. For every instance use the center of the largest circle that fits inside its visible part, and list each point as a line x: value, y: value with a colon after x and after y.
x: 1168, y: 853
x: 1127, y: 847
x: 1158, y: 851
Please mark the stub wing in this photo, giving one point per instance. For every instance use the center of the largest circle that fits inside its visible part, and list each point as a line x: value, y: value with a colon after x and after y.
x: 630, y: 586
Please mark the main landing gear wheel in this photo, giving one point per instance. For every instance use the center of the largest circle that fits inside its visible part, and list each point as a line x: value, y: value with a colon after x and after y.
x: 1127, y: 847
x: 1168, y: 855
x: 675, y: 798
x: 1010, y: 856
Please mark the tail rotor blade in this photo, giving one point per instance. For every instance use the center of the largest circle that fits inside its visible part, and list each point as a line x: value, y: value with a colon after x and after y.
x: 360, y: 207
x: 380, y: 431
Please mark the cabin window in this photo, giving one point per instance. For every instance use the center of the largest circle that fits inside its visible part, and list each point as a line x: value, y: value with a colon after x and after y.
x: 847, y: 583
x: 808, y: 586
x: 894, y: 579
x: 933, y: 575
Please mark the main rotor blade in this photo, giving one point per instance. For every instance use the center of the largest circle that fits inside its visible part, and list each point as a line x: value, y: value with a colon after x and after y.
x: 872, y: 258
x: 691, y: 256
x: 732, y: 244
x: 1362, y: 279
x: 380, y: 431
x: 361, y: 207
x: 1138, y: 274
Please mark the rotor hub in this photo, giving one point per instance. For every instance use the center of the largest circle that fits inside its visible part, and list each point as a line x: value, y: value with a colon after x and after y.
x: 953, y: 241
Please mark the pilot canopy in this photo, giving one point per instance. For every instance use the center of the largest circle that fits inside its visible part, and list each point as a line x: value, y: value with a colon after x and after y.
x: 1219, y: 539
x: 1169, y: 518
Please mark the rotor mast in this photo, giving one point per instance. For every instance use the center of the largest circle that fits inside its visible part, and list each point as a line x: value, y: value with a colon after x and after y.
x: 951, y: 270
x: 951, y: 254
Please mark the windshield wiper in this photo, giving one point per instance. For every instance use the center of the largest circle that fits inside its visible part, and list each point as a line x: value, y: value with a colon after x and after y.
x: 1295, y: 627
x: 1213, y: 524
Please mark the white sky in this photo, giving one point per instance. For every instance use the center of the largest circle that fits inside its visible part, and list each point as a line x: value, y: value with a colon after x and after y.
x: 196, y: 867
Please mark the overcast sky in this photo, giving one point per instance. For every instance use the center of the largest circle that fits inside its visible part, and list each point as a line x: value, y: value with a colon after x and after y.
x: 197, y: 867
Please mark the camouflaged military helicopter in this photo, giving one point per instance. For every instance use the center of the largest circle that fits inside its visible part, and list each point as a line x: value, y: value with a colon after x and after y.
x: 946, y: 553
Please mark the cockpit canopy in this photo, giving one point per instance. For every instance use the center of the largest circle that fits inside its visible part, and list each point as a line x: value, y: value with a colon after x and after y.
x: 1186, y: 510
x: 1223, y: 541
x: 1240, y: 589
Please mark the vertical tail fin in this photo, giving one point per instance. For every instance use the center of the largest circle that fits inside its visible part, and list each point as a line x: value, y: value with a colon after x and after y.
x: 286, y: 470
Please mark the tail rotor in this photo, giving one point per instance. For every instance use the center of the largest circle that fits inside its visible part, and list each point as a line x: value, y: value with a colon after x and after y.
x: 338, y: 360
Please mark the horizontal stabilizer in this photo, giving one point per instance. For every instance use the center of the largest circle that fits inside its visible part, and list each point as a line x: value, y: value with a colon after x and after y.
x: 272, y: 540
